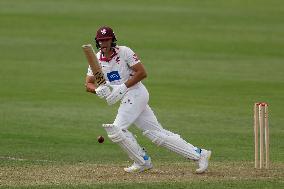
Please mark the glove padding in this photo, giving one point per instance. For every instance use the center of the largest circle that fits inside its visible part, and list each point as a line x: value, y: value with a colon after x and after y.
x: 103, y: 91
x: 118, y: 91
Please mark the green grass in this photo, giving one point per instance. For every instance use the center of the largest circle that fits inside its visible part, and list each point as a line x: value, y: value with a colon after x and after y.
x: 207, y: 62
x: 225, y: 185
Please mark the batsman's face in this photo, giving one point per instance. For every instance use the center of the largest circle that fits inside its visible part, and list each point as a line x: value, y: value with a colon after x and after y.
x: 105, y: 45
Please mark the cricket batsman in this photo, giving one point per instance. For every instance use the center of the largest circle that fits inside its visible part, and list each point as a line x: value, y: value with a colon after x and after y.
x: 124, y: 72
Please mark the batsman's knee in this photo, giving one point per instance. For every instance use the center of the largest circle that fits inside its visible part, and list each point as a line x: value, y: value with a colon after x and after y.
x: 159, y: 137
x: 114, y: 132
x: 173, y: 142
x: 127, y: 142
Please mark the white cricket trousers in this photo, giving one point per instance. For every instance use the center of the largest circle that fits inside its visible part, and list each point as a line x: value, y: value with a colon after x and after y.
x: 134, y: 109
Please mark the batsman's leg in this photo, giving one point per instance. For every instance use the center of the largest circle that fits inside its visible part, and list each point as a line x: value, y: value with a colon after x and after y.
x: 130, y: 108
x: 151, y: 128
x: 129, y: 144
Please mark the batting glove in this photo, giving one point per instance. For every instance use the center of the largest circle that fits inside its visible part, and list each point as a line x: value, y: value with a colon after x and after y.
x: 118, y: 91
x: 103, y: 91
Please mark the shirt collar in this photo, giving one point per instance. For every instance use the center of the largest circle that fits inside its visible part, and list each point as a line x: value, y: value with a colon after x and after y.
x: 105, y: 59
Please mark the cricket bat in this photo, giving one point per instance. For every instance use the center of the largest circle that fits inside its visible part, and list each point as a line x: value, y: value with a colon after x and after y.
x: 94, y: 64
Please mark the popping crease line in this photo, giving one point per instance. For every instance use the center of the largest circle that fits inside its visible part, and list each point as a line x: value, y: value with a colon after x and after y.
x: 21, y: 159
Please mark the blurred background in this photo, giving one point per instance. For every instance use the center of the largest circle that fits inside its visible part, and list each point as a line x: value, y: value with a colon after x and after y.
x: 207, y: 62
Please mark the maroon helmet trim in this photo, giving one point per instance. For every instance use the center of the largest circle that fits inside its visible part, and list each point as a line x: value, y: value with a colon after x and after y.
x: 103, y: 38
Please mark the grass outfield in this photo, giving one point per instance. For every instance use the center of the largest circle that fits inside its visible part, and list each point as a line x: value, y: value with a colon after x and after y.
x: 207, y: 63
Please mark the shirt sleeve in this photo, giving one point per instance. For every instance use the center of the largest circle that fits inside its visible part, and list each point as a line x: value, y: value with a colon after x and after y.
x: 89, y: 72
x: 131, y: 57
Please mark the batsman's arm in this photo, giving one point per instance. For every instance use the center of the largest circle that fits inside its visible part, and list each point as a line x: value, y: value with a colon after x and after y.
x: 90, y: 84
x: 139, y: 74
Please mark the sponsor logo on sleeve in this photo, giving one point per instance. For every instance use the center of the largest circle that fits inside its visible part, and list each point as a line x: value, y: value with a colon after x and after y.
x: 135, y: 57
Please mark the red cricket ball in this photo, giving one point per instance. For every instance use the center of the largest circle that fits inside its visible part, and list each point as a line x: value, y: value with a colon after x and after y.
x: 101, y: 139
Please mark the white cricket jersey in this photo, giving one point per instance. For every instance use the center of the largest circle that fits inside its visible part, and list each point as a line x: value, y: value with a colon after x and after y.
x: 117, y: 68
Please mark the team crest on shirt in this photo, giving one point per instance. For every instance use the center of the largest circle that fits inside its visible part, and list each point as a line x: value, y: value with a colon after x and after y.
x: 113, y: 76
x: 103, y: 31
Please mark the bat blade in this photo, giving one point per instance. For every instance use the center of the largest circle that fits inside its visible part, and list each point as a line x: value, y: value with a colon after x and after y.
x: 94, y: 64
